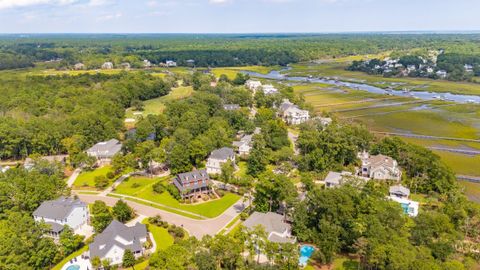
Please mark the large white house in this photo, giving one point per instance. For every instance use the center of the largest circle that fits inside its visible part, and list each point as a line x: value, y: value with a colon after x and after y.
x: 253, y: 85
x: 115, y: 239
x: 379, y: 167
x: 269, y: 89
x: 104, y: 151
x: 62, y: 212
x: 291, y: 114
x: 217, y: 158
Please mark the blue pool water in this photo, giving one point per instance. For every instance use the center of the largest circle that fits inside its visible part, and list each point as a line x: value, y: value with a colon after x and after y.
x: 305, y: 254
x: 73, y: 267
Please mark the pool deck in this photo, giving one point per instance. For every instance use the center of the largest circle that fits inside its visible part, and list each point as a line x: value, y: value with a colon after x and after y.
x: 83, y: 263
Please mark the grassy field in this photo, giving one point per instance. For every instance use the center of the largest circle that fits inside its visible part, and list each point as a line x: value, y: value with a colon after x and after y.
x: 143, y: 189
x: 86, y: 180
x: 472, y: 190
x: 231, y: 72
x: 157, y: 105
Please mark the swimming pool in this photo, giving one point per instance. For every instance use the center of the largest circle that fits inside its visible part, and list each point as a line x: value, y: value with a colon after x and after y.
x: 73, y: 267
x: 305, y: 254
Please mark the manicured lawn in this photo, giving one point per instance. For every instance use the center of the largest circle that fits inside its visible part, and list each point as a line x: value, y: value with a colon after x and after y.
x: 160, y: 235
x: 344, y: 263
x: 157, y: 105
x: 71, y: 256
x: 87, y: 178
x: 143, y: 189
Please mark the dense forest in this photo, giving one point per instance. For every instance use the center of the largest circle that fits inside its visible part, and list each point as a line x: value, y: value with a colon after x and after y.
x: 39, y: 112
x: 215, y: 50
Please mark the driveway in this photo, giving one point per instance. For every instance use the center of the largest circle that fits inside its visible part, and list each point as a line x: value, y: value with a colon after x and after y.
x: 73, y: 177
x: 197, y: 228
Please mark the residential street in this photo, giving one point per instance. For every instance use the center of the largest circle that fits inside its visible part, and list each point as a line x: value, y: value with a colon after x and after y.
x: 197, y: 228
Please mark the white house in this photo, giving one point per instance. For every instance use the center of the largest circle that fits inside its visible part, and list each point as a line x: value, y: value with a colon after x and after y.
x: 291, y: 114
x: 442, y: 74
x: 107, y: 65
x: 170, y: 63
x: 60, y: 212
x: 269, y: 89
x: 104, y: 151
x: 468, y: 68
x: 146, y: 63
x: 336, y: 179
x: 379, y: 167
x: 79, y: 66
x: 277, y: 229
x: 253, y: 85
x: 217, y: 158
x: 115, y: 239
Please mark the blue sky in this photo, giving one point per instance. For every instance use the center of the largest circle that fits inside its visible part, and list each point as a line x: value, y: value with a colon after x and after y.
x: 236, y: 16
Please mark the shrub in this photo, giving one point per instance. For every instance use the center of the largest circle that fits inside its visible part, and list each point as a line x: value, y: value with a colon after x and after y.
x: 110, y: 175
x: 159, y: 188
x: 101, y: 181
x: 220, y: 193
x: 156, y: 220
x: 177, y: 232
x: 135, y: 185
x: 174, y: 192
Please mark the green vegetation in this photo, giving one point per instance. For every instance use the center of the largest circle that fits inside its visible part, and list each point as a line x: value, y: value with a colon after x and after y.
x: 86, y: 179
x: 162, y: 238
x: 69, y: 257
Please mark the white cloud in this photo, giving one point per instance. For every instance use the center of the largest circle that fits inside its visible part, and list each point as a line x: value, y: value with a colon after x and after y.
x: 218, y: 1
x: 112, y: 16
x: 4, y: 4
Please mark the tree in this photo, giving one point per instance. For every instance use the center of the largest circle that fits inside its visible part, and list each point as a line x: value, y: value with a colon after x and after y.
x: 101, y: 181
x: 101, y: 216
x: 122, y: 211
x: 96, y: 262
x: 128, y: 259
x: 70, y: 241
x: 228, y: 169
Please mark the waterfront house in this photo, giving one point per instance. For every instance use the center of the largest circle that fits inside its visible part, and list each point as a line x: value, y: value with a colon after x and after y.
x: 291, y: 114
x: 379, y: 167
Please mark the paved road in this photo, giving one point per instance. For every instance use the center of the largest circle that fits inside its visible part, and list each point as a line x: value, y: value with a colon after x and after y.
x: 197, y: 228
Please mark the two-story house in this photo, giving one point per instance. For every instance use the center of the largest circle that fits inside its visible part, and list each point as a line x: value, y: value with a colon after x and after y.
x: 217, y: 158
x: 104, y: 151
x: 192, y: 184
x: 379, y: 167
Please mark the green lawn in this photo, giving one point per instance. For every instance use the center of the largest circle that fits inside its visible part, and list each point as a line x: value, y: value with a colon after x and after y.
x: 157, y: 105
x: 160, y: 235
x: 145, y: 191
x: 87, y: 178
x: 71, y: 256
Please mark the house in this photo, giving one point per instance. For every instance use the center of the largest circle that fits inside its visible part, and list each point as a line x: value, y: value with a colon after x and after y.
x: 170, y: 63
x: 125, y: 66
x: 79, y: 66
x: 245, y: 144
x: 291, y: 114
x: 231, y: 107
x: 104, y: 151
x: 269, y: 89
x: 442, y: 74
x: 30, y: 163
x: 409, y: 207
x: 468, y: 68
x: 115, y: 239
x: 429, y: 70
x: 324, y: 121
x: 379, y: 167
x: 107, y: 65
x: 192, y: 184
x: 399, y: 191
x: 253, y: 85
x: 217, y: 158
x: 336, y: 179
x: 411, y: 68
x: 277, y: 229
x: 190, y: 62
x: 146, y: 63
x: 61, y: 212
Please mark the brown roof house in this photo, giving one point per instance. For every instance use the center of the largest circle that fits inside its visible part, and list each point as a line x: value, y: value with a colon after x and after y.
x: 379, y: 167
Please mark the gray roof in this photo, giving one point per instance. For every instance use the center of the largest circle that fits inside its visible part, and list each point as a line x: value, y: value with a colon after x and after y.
x: 334, y: 178
x: 58, y: 209
x: 400, y: 190
x: 55, y: 227
x: 116, y: 228
x: 272, y: 222
x: 105, y: 149
x: 222, y: 153
x: 231, y: 107
x: 197, y: 177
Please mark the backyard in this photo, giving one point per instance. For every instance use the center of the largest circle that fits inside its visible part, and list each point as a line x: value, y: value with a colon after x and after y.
x: 142, y: 188
x: 86, y: 180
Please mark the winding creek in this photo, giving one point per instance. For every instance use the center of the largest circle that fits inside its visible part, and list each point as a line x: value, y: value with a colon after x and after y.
x: 424, y: 95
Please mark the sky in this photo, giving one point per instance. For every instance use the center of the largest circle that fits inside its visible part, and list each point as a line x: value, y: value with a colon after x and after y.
x: 236, y: 16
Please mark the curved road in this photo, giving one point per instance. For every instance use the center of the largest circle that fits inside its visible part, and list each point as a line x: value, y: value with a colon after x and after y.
x: 197, y: 228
